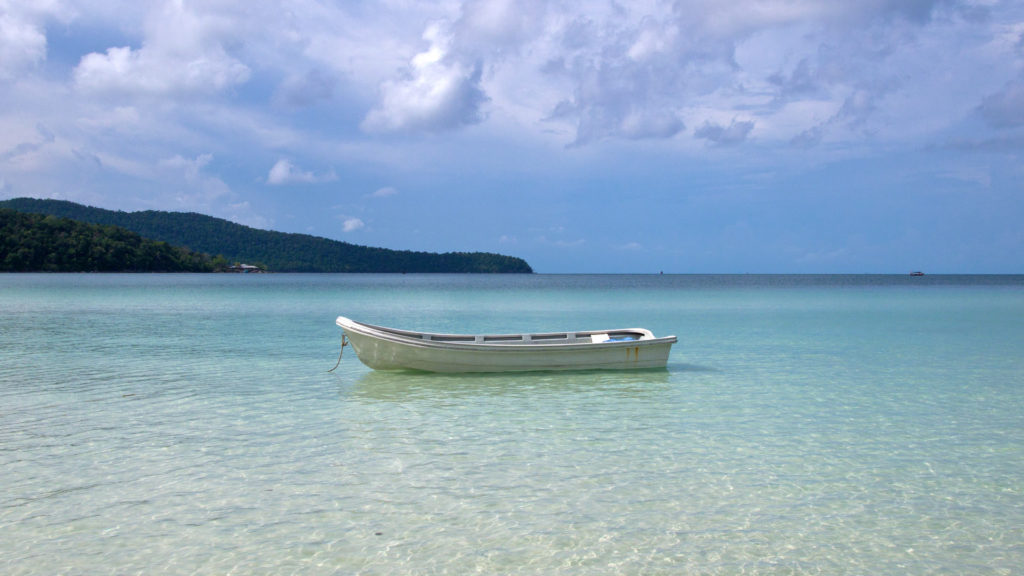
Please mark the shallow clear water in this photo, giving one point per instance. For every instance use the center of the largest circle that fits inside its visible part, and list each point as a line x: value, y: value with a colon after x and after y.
x: 186, y: 424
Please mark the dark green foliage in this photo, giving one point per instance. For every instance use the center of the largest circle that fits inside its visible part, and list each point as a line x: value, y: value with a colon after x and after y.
x: 38, y: 243
x: 277, y: 251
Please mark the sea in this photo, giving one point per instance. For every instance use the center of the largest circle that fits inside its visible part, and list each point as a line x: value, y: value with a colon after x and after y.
x: 188, y: 424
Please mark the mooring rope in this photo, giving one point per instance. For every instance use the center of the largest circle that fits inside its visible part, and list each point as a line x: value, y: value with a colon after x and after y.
x: 344, y: 342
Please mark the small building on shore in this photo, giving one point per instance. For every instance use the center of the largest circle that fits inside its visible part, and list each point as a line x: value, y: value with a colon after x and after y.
x: 244, y: 269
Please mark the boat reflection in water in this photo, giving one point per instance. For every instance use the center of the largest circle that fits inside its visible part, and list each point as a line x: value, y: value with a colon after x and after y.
x: 409, y: 385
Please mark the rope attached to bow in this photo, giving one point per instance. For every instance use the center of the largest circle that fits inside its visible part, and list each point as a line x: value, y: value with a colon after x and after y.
x: 344, y: 342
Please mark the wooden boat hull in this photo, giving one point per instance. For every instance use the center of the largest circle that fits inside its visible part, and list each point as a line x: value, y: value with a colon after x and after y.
x: 390, y: 349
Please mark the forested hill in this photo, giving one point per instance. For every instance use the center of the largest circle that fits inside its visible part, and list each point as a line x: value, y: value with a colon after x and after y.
x: 38, y: 243
x: 278, y: 251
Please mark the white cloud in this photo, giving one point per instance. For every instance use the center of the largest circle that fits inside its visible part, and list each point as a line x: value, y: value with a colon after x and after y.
x: 284, y: 172
x: 352, y: 224
x: 436, y: 93
x: 636, y: 71
x: 22, y: 44
x: 626, y: 71
x: 630, y: 74
x: 498, y: 26
x: 143, y: 70
x: 384, y: 192
x: 183, y: 52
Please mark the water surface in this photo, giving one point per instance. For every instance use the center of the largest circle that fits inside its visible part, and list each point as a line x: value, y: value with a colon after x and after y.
x: 186, y: 424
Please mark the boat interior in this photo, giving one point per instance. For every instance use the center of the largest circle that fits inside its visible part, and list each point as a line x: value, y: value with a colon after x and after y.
x: 582, y: 337
x: 546, y: 338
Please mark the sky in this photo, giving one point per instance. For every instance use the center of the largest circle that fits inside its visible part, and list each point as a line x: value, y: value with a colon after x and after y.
x: 692, y: 136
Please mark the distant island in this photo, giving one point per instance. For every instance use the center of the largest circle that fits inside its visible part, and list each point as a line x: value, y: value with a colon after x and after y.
x: 210, y: 244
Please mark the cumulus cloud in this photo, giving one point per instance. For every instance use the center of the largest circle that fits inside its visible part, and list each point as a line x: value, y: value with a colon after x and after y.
x: 436, y: 92
x: 442, y: 87
x: 183, y: 52
x: 636, y: 72
x: 284, y: 172
x: 22, y: 42
x: 626, y: 83
x: 805, y: 71
x: 352, y: 224
x: 614, y: 71
x: 146, y: 70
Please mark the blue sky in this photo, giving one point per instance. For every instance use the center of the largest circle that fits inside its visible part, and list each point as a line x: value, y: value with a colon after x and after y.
x: 687, y: 136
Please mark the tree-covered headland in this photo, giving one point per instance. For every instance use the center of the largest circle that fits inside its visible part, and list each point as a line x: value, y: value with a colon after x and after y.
x: 38, y: 243
x: 276, y: 251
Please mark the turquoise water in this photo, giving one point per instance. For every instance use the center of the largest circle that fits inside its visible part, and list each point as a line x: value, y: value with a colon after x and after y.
x: 186, y: 424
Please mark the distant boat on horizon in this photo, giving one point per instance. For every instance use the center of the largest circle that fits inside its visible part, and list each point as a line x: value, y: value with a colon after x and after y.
x: 917, y: 273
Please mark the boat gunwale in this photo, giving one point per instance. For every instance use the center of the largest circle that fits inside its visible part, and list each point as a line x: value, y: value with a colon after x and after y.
x: 515, y: 342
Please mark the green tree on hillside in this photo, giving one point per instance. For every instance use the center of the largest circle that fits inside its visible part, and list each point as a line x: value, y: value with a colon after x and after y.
x: 38, y: 243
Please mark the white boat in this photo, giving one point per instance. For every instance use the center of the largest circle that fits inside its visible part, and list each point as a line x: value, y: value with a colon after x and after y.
x: 383, y: 348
